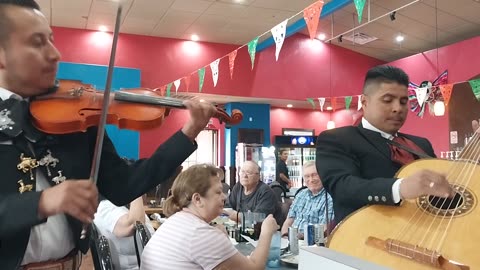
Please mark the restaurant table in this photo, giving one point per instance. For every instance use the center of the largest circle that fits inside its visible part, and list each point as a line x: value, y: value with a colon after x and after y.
x: 247, y: 248
x: 151, y: 210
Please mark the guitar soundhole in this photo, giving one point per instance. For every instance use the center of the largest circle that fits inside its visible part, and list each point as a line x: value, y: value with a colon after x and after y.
x: 448, y: 203
x: 462, y: 203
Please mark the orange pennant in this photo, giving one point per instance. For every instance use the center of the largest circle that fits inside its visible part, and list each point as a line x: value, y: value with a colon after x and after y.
x: 231, y: 62
x: 334, y: 103
x: 187, y: 81
x: 446, y: 90
x: 311, y: 15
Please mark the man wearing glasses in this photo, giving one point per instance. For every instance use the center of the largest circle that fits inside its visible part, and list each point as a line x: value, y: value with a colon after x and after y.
x: 311, y: 205
x: 251, y: 194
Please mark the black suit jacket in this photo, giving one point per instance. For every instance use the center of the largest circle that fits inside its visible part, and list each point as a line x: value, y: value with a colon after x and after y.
x: 356, y: 169
x: 117, y: 181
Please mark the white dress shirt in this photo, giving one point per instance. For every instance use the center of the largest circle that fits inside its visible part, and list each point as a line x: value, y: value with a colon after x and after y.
x: 50, y: 240
x: 396, y: 186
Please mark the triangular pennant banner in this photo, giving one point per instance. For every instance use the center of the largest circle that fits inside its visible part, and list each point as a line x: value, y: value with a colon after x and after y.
x: 214, y: 67
x: 359, y: 5
x: 421, y: 93
x: 334, y: 103
x: 177, y: 84
x: 446, y: 90
x: 201, y: 78
x: 187, y: 81
x: 321, y: 101
x: 311, y: 15
x: 359, y: 105
x: 169, y: 87
x: 475, y: 84
x: 348, y: 101
x: 231, y: 62
x: 252, y: 48
x: 310, y: 100
x: 278, y: 33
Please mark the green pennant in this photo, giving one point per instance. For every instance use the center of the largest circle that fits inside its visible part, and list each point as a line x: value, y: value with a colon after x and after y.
x: 310, y: 100
x: 169, y: 86
x: 475, y: 84
x: 252, y: 48
x: 359, y: 5
x: 348, y: 101
x: 201, y: 78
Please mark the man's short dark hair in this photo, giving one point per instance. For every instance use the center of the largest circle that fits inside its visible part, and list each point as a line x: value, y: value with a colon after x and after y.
x: 5, y: 22
x: 385, y: 74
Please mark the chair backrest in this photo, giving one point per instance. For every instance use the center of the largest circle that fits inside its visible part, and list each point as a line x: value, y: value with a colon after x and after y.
x: 298, y: 190
x: 100, y: 249
x: 280, y: 192
x: 141, y: 238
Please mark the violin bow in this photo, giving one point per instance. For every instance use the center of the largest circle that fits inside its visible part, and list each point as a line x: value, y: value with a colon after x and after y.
x: 103, y: 117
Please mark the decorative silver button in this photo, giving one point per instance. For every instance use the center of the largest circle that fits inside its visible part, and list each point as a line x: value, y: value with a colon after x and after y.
x: 370, y: 198
x: 384, y: 199
x: 376, y: 198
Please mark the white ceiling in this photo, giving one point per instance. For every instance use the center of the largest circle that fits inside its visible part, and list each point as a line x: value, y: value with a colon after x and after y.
x: 426, y: 24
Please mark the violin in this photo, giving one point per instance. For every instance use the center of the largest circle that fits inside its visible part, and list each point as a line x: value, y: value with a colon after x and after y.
x: 73, y: 106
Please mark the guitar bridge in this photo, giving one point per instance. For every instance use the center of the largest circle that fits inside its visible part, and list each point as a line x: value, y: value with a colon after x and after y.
x: 415, y: 253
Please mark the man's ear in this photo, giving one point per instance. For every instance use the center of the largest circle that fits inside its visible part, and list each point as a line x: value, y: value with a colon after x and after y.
x: 364, y: 101
x: 3, y: 59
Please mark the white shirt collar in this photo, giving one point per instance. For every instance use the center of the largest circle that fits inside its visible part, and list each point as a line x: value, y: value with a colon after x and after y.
x: 369, y: 126
x: 6, y: 94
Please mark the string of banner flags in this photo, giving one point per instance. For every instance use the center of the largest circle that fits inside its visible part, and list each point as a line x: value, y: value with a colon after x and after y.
x: 420, y: 96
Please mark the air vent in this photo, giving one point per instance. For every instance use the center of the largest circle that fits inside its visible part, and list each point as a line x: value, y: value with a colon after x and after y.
x: 359, y: 38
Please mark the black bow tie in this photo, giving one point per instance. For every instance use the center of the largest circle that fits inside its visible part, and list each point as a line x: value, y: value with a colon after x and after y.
x: 15, y: 120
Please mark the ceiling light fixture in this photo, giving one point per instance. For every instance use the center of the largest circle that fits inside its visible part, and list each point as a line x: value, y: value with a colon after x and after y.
x: 329, y: 108
x: 102, y: 28
x: 194, y: 37
x: 322, y: 36
x: 289, y: 105
x: 400, y: 38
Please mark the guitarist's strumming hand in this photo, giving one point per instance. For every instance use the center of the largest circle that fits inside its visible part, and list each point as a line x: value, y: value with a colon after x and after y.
x: 476, y: 125
x: 425, y: 182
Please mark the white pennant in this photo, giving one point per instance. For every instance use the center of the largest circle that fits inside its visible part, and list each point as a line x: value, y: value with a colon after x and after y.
x: 177, y: 85
x: 278, y: 33
x: 359, y: 106
x: 214, y: 67
x: 321, y: 101
x: 421, y: 95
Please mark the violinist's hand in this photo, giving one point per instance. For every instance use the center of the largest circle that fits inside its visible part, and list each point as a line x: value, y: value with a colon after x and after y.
x: 476, y: 125
x: 200, y: 114
x: 78, y: 198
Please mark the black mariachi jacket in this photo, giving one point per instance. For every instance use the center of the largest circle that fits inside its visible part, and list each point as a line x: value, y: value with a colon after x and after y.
x: 118, y: 182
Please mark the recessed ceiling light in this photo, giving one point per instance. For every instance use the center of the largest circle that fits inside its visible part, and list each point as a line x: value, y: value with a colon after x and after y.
x: 400, y: 38
x: 202, y: 100
x: 289, y: 105
x: 322, y: 36
x: 194, y: 37
x: 102, y: 28
x: 329, y: 108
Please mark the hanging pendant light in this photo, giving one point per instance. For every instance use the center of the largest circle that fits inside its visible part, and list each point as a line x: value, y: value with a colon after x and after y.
x: 439, y: 108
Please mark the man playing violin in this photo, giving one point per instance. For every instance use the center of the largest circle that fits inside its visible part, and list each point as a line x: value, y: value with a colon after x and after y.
x: 45, y: 196
x: 357, y: 164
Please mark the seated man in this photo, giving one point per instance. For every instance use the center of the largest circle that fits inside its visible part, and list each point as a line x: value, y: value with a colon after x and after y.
x: 311, y: 205
x: 117, y: 225
x: 251, y: 194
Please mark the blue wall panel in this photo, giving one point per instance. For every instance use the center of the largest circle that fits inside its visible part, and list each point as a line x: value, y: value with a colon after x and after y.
x: 255, y: 116
x: 126, y: 141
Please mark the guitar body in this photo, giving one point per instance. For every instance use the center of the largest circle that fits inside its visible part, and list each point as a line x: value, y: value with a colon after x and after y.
x: 459, y: 243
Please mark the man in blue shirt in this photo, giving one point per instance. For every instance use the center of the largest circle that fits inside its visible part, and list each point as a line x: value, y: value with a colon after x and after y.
x: 311, y: 205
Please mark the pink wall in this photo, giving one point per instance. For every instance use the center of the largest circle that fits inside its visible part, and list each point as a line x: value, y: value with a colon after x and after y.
x: 461, y: 60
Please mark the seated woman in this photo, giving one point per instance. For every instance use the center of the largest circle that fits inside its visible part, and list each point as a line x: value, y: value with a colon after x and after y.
x: 116, y: 223
x: 187, y: 240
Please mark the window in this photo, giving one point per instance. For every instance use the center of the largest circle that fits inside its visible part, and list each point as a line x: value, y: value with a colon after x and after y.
x: 207, y: 151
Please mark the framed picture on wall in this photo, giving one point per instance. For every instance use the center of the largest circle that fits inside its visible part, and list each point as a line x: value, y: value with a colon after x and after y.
x: 298, y: 132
